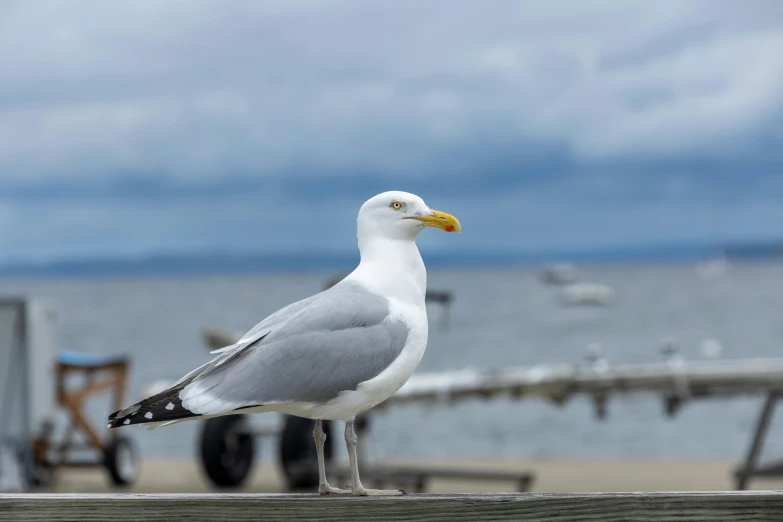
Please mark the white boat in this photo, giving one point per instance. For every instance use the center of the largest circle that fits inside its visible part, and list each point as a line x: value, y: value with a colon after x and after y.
x: 714, y: 268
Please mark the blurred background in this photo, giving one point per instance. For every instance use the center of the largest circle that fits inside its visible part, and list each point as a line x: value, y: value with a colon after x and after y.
x: 174, y: 169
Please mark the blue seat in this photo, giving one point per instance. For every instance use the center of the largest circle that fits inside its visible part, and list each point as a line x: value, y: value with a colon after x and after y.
x: 87, y: 360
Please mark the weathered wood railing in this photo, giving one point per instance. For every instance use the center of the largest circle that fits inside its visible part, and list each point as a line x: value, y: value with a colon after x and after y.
x: 605, y: 507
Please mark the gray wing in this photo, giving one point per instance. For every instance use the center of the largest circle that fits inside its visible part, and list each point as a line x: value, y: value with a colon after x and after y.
x: 278, y: 317
x: 269, y: 323
x: 331, y: 345
x: 256, y: 333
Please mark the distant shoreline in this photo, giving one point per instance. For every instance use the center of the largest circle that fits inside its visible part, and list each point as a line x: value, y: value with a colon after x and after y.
x: 238, y: 263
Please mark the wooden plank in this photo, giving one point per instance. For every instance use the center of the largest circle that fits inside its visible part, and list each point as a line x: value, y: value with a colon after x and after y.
x: 416, y: 478
x: 735, y: 506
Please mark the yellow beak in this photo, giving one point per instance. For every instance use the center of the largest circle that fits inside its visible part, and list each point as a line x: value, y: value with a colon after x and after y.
x: 440, y: 220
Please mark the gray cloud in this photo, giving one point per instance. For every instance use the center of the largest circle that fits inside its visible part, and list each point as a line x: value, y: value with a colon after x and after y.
x: 202, y: 88
x: 273, y: 106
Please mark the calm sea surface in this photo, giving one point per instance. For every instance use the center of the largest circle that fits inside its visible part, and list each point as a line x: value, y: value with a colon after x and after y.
x: 499, y: 318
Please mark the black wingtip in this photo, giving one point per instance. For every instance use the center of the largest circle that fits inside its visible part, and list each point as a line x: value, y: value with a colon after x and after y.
x: 161, y: 407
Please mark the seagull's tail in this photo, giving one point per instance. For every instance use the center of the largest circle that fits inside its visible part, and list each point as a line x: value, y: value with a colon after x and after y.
x: 160, y: 409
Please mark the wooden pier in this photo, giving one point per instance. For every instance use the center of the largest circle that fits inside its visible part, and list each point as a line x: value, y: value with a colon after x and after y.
x: 683, y: 379
x: 676, y: 380
x: 742, y: 506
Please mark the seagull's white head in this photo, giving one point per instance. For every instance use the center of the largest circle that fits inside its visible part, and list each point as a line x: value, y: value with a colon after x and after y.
x: 400, y: 215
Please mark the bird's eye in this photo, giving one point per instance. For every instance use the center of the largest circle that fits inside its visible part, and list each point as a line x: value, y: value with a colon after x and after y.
x: 396, y: 205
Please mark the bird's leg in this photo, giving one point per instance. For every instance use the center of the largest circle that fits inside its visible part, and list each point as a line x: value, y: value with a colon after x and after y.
x: 356, y: 484
x: 323, y: 486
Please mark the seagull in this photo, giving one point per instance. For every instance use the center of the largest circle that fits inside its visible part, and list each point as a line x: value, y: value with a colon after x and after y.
x: 331, y: 356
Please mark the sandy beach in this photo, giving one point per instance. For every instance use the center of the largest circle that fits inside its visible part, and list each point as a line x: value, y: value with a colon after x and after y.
x: 185, y: 476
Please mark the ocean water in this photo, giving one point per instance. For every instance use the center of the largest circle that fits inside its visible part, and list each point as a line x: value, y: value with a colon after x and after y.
x: 499, y: 318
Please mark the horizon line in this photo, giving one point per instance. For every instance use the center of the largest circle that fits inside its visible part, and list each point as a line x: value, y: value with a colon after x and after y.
x: 214, y: 262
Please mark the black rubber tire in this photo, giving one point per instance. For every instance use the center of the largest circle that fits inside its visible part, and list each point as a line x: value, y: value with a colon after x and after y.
x: 121, y: 461
x: 226, y: 462
x: 298, y: 457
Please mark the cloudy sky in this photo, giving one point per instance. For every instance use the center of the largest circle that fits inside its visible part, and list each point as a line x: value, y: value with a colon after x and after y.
x: 135, y: 127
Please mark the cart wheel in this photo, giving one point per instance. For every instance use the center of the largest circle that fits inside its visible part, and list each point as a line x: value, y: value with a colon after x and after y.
x: 227, y: 449
x: 120, y: 459
x: 41, y: 476
x: 298, y: 456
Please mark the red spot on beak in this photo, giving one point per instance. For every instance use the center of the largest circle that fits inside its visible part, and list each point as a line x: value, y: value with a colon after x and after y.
x: 449, y: 228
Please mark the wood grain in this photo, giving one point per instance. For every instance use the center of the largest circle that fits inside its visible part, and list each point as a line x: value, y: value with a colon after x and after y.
x: 735, y: 506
